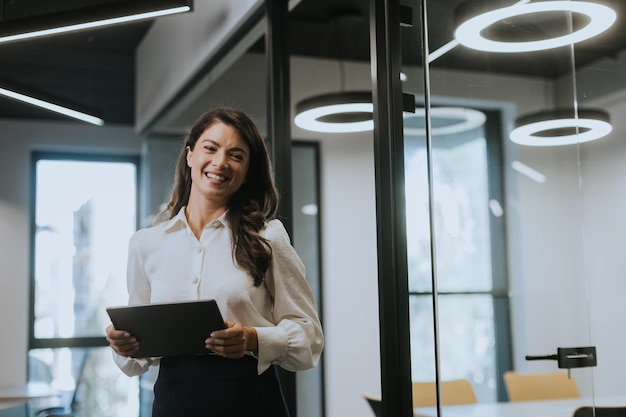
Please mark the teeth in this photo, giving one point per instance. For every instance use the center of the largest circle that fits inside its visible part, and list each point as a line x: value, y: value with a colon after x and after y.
x: 215, y: 177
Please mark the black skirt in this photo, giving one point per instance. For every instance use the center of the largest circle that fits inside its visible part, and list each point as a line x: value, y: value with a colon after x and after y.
x: 212, y: 386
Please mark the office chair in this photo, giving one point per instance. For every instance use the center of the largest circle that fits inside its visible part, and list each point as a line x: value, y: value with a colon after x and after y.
x: 375, y: 403
x: 453, y: 392
x: 588, y: 411
x: 540, y: 386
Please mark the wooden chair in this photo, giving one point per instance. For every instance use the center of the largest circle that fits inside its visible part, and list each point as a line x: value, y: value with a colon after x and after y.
x: 588, y: 411
x: 540, y: 386
x: 453, y: 392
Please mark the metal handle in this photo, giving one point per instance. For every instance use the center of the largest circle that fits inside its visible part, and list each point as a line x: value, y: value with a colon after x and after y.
x: 568, y: 358
x: 540, y: 358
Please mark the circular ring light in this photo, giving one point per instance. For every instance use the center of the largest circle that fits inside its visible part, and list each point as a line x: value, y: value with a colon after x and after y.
x: 336, y: 113
x: 539, y: 130
x: 466, y: 119
x: 469, y: 33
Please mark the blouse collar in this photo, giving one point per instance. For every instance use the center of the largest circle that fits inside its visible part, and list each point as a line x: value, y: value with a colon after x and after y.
x: 181, y: 219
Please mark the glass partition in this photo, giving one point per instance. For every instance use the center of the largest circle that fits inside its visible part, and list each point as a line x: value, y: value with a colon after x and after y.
x: 522, y: 159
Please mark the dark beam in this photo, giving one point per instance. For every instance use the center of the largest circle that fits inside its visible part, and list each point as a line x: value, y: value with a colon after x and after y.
x: 279, y: 135
x: 390, y: 203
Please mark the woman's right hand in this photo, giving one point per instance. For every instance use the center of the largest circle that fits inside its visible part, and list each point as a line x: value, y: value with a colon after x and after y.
x: 122, y: 342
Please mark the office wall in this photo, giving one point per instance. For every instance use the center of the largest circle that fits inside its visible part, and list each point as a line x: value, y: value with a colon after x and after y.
x: 350, y: 287
x: 604, y: 177
x: 17, y: 140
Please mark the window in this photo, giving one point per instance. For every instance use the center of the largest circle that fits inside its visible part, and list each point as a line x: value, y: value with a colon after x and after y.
x: 469, y: 242
x: 84, y: 212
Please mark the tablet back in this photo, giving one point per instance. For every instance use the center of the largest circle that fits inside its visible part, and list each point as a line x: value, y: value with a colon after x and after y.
x: 172, y: 329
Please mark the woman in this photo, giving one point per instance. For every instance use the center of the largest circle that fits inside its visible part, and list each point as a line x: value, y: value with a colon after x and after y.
x: 218, y: 240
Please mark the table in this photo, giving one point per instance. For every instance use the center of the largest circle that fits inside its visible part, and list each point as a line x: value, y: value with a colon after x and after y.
x: 14, y: 400
x: 552, y: 408
x: 27, y: 392
x: 12, y: 408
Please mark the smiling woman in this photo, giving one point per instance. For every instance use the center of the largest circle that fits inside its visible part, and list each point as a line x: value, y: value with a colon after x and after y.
x: 218, y: 239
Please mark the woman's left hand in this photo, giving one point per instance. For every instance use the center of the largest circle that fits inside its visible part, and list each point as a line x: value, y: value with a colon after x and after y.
x: 233, y: 341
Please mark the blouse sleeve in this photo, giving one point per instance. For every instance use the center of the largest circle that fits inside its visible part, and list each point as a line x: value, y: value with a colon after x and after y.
x: 139, y: 293
x: 297, y: 340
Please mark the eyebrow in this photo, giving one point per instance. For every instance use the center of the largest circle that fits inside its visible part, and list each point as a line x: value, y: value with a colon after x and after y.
x: 219, y: 145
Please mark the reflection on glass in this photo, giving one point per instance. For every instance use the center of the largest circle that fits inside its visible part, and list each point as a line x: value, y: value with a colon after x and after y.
x: 467, y: 338
x: 462, y: 207
x: 461, y: 217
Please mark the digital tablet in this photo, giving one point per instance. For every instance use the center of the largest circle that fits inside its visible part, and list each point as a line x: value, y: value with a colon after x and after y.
x: 169, y: 329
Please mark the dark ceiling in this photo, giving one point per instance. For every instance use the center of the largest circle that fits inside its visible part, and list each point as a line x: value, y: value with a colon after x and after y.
x: 95, y: 69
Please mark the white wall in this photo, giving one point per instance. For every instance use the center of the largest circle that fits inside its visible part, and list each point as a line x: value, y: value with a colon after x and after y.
x: 189, y: 40
x: 567, y: 281
x: 604, y: 205
x: 17, y: 140
x: 350, y: 287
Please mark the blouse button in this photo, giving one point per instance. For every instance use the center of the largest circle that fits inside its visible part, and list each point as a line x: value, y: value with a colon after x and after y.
x: 196, y: 280
x: 199, y: 249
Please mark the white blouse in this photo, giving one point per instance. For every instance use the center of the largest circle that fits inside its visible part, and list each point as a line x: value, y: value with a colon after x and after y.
x: 166, y: 263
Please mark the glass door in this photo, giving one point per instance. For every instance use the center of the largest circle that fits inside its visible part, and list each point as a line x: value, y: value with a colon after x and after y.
x: 513, y: 162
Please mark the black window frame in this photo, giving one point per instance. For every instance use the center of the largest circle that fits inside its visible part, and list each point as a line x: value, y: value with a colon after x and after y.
x: 36, y: 156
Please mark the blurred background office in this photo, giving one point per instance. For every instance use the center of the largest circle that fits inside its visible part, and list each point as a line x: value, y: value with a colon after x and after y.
x: 504, y: 242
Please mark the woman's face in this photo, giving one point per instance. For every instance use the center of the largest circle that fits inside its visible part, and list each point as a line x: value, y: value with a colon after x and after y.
x: 219, y: 163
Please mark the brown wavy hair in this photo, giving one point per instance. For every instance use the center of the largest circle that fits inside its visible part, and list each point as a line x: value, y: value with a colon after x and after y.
x: 251, y: 206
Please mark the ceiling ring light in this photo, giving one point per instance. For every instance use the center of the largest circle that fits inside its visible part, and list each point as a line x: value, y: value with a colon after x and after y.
x: 466, y: 119
x: 554, y: 128
x: 469, y: 33
x: 336, y: 113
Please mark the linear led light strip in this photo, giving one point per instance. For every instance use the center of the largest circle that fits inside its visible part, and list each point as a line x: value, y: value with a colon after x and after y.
x: 53, y: 107
x: 528, y: 171
x: 97, y: 23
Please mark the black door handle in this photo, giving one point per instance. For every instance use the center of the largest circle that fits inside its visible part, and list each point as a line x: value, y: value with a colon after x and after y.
x: 568, y: 358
